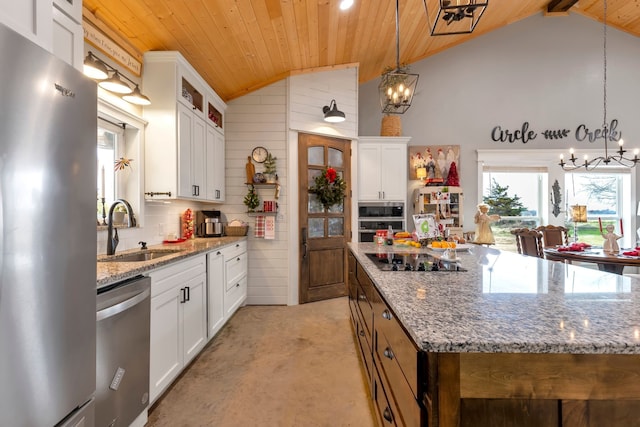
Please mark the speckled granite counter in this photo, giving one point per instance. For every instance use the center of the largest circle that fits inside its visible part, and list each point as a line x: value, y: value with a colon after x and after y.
x: 111, y: 272
x: 507, y: 303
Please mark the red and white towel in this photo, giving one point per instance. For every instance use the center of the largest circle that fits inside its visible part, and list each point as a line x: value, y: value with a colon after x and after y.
x: 270, y: 227
x: 259, y: 231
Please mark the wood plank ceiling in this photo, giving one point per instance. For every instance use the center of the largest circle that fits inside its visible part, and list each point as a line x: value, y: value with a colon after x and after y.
x: 242, y: 45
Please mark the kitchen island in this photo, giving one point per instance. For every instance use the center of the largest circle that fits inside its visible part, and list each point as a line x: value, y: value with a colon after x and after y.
x: 502, y: 340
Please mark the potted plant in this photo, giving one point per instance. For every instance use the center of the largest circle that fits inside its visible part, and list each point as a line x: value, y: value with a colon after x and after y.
x: 270, y: 168
x: 251, y: 200
x: 118, y: 214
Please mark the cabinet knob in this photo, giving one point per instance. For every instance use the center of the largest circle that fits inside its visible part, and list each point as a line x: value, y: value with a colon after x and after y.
x: 361, y: 333
x: 388, y: 353
x: 387, y: 414
x: 237, y: 285
x: 387, y: 315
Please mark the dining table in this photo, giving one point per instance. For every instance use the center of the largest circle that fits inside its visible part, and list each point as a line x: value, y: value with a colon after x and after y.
x: 609, y: 262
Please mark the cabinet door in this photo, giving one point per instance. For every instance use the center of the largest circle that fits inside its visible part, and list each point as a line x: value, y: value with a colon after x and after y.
x: 393, y: 172
x: 165, y: 348
x: 369, y: 172
x: 194, y: 317
x: 235, y: 295
x: 30, y: 18
x: 215, y: 165
x: 215, y: 292
x: 198, y: 160
x: 191, y: 143
x: 67, y: 39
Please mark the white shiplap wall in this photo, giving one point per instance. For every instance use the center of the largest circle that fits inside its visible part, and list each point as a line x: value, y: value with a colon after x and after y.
x: 259, y: 118
x: 308, y: 93
x: 271, y: 117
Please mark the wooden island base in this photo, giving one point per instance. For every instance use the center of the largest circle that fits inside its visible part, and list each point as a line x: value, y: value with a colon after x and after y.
x: 543, y: 390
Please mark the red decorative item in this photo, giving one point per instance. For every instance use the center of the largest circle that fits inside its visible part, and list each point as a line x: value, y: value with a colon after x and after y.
x: 453, y: 179
x: 187, y: 224
x: 331, y: 175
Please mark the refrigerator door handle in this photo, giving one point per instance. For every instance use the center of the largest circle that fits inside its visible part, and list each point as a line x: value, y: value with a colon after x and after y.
x: 124, y: 305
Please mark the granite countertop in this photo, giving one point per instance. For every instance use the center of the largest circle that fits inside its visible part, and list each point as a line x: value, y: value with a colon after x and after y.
x: 509, y: 303
x: 111, y: 272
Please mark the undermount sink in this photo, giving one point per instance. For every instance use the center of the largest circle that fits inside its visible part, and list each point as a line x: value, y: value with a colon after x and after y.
x: 140, y: 256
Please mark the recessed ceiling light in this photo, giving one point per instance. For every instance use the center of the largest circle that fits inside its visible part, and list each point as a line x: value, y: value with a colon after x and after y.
x: 346, y: 4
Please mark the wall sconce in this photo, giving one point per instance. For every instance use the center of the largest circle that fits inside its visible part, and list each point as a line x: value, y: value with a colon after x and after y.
x: 421, y: 173
x: 332, y: 114
x: 459, y: 17
x: 97, y: 69
x: 578, y: 214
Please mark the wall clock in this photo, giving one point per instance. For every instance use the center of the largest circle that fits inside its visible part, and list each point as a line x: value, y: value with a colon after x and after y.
x: 259, y: 154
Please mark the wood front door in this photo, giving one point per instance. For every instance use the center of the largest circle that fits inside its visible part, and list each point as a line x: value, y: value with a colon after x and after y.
x: 323, y: 233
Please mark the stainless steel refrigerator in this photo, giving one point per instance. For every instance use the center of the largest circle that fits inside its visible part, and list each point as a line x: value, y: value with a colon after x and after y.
x: 48, y: 131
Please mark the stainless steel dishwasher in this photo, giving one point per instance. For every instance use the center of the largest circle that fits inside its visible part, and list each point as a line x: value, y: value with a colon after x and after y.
x: 122, y: 352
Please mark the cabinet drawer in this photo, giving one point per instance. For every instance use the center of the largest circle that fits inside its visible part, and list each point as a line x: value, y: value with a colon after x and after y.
x: 164, y: 279
x: 404, y: 397
x: 235, y: 268
x: 234, y: 249
x: 404, y: 350
x: 235, y: 295
x: 384, y: 406
x: 365, y: 350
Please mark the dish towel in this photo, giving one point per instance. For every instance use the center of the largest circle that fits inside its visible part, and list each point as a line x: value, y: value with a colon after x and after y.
x: 270, y: 227
x: 259, y: 231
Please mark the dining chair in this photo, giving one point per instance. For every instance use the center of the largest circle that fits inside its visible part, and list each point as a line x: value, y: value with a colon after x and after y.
x: 554, y: 235
x: 528, y: 242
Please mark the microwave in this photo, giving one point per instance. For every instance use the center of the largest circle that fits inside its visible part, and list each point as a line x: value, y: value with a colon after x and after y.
x: 374, y: 216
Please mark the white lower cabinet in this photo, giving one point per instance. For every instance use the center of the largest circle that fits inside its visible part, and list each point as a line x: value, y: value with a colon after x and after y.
x: 227, y: 275
x: 178, y: 320
x: 215, y: 298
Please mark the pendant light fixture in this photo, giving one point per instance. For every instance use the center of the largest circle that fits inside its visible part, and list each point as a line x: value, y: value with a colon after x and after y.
x: 97, y: 69
x: 616, y: 158
x: 94, y: 68
x: 136, y: 97
x: 397, y: 86
x: 455, y: 16
x: 115, y: 84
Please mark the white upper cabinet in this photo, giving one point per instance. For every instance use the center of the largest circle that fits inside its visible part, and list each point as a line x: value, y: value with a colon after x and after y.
x: 382, y: 168
x: 31, y: 18
x: 56, y: 27
x: 184, y: 158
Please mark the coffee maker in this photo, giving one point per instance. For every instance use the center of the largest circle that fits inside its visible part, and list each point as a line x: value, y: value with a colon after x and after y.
x: 208, y: 224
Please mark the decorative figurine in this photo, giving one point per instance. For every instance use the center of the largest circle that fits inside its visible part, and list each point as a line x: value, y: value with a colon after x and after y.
x: 610, y: 245
x: 483, y: 221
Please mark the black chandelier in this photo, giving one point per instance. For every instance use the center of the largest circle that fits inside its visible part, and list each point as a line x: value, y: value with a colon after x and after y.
x: 455, y: 16
x: 617, y: 157
x: 397, y: 86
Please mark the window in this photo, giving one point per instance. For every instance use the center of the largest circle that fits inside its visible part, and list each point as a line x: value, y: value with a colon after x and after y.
x: 120, y: 135
x: 603, y: 192
x: 518, y: 189
x: 608, y: 193
x: 110, y: 144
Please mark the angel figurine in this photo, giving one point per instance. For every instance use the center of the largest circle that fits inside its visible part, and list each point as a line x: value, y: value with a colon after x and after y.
x: 610, y: 245
x: 483, y: 221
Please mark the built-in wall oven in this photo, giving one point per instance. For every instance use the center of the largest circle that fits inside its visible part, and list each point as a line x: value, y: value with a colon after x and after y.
x: 374, y: 216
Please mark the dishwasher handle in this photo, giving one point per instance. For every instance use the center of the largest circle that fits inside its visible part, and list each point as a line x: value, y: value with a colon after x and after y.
x: 122, y: 306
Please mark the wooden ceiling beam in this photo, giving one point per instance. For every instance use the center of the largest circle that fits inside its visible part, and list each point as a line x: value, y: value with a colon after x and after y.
x: 555, y: 6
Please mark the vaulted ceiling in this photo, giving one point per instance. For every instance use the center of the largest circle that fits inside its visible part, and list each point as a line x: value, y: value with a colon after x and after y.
x: 241, y: 45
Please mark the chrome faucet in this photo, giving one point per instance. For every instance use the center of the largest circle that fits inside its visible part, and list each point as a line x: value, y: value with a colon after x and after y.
x: 112, y: 233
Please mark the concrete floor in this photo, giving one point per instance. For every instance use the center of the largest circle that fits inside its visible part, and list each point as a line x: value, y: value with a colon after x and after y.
x: 273, y: 366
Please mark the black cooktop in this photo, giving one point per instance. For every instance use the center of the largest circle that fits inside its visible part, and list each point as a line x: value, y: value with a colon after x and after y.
x: 398, y: 261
